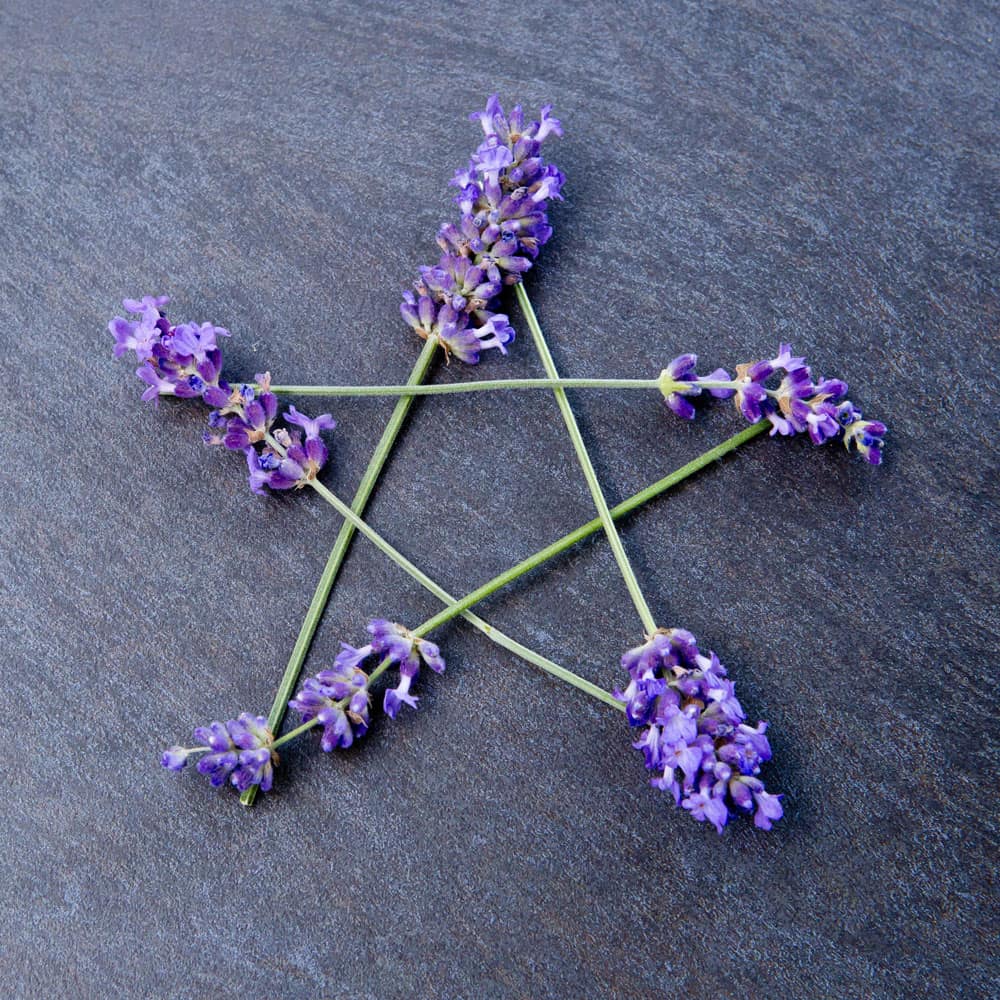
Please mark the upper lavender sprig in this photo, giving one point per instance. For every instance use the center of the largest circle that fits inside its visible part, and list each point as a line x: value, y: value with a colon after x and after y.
x: 186, y: 361
x: 695, y: 733
x: 503, y: 194
x: 782, y: 391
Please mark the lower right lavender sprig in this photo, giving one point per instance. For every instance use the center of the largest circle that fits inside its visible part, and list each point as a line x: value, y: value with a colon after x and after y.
x: 695, y: 734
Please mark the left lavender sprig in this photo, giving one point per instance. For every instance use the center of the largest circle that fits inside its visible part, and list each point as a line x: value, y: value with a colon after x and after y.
x: 185, y: 361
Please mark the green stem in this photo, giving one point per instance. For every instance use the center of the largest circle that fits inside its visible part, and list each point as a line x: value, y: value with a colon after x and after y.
x: 591, y: 527
x: 462, y: 605
x: 542, y: 662
x: 628, y: 574
x: 339, y: 551
x: 458, y: 387
x: 294, y: 734
x: 442, y: 595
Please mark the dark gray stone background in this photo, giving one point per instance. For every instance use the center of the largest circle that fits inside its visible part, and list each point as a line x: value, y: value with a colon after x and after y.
x: 738, y: 175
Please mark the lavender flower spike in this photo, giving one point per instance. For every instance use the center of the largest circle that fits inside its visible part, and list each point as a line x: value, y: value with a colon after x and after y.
x: 399, y: 646
x: 503, y: 193
x: 185, y: 361
x: 339, y: 698
x: 237, y: 751
x: 782, y: 391
x: 694, y: 731
x: 321, y: 698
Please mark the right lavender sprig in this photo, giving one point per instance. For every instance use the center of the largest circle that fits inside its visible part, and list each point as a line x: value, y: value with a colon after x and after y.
x: 793, y: 404
x: 503, y: 194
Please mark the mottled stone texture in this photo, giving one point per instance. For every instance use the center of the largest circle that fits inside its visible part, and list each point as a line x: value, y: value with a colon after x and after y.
x: 738, y: 173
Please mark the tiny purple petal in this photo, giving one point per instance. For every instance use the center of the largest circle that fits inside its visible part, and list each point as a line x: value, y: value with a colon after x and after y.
x: 174, y: 758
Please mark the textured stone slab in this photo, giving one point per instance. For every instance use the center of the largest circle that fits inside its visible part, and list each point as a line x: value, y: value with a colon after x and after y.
x: 737, y: 175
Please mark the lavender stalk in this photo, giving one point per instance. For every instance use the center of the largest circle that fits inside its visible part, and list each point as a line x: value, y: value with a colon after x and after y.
x: 341, y: 545
x: 628, y: 574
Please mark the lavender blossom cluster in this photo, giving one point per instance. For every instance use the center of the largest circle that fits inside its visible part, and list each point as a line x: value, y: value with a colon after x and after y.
x: 238, y: 751
x: 503, y: 194
x: 695, y: 733
x: 795, y: 402
x: 185, y: 361
x: 338, y: 698
x: 241, y: 751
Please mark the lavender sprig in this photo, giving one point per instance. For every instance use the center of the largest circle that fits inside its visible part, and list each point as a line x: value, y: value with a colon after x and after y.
x: 335, y: 698
x: 242, y: 751
x: 782, y: 391
x: 695, y: 732
x: 503, y: 194
x: 186, y: 361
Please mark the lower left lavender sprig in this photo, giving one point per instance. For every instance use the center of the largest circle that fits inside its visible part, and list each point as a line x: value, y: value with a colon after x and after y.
x: 242, y: 751
x: 238, y: 751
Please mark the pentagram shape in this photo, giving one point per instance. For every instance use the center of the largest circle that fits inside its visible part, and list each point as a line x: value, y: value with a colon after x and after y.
x: 523, y: 337
x: 352, y: 522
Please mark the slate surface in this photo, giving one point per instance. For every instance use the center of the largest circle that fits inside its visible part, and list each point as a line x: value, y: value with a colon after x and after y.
x: 738, y: 174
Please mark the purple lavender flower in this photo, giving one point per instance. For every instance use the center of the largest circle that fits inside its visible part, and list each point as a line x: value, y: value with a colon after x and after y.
x: 286, y: 464
x: 339, y: 699
x: 400, y: 645
x: 186, y: 361
x: 678, y: 381
x: 252, y: 420
x: 694, y: 731
x: 503, y: 193
x: 783, y: 391
x: 681, y: 370
x: 251, y: 735
x: 182, y: 360
x: 310, y: 427
x: 149, y: 306
x: 457, y: 332
x: 174, y: 758
x: 865, y: 435
x: 238, y: 751
x: 400, y: 695
x: 221, y: 762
